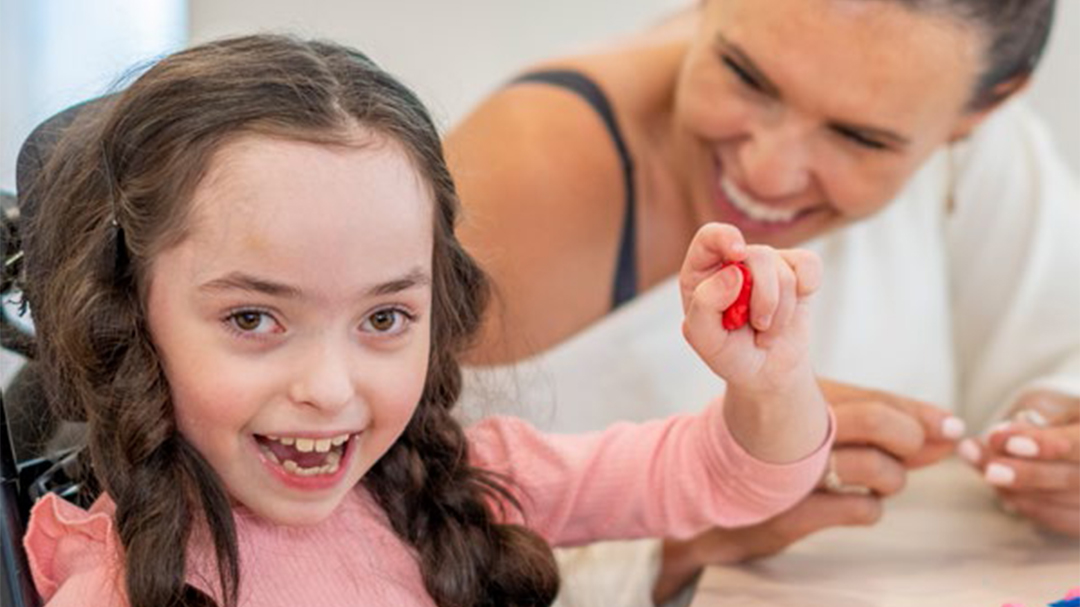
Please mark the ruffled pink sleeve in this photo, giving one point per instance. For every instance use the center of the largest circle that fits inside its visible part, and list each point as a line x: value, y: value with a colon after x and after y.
x: 74, y: 554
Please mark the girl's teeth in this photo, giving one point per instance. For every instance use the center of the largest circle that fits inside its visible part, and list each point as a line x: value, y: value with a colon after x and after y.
x: 331, y: 466
x: 331, y: 463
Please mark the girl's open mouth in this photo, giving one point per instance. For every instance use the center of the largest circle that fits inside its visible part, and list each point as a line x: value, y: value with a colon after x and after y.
x: 305, y: 458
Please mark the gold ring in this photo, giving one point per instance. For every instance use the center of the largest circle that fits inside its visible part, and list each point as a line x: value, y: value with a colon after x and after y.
x: 832, y: 483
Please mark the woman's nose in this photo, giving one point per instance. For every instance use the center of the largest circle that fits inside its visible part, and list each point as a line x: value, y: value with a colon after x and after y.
x: 324, y: 378
x: 775, y: 162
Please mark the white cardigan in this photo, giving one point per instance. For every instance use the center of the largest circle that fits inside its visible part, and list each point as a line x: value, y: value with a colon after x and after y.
x: 964, y: 292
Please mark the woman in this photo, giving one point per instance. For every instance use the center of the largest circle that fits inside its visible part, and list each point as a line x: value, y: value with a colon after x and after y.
x: 879, y: 133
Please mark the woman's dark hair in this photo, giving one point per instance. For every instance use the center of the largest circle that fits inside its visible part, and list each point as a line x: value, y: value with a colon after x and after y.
x: 117, y: 191
x: 1015, y: 33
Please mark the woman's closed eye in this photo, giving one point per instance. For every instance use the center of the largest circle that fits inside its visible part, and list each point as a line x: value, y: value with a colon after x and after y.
x: 250, y: 322
x: 743, y: 74
x: 387, y: 321
x: 860, y: 139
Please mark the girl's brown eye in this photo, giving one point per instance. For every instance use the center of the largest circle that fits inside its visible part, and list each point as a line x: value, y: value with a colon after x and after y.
x: 383, y: 320
x: 248, y: 321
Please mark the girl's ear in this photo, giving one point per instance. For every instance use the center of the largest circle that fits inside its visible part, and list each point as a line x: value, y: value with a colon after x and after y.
x: 1002, y: 92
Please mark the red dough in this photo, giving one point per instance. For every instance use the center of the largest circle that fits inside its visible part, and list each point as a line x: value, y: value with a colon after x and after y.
x: 738, y: 313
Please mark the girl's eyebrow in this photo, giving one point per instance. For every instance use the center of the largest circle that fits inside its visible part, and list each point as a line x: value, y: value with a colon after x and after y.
x: 241, y: 281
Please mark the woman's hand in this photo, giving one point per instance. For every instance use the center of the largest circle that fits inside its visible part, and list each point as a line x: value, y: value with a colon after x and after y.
x: 879, y: 437
x: 1034, y: 460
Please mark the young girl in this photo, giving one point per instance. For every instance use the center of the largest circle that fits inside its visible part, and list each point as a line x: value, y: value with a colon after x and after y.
x: 244, y: 274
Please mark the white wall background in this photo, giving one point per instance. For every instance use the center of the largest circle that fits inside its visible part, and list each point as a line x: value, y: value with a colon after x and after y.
x: 55, y: 53
x: 450, y: 51
x: 453, y: 52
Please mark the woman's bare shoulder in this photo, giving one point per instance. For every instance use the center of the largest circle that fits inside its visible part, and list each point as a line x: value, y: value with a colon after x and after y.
x: 542, y: 190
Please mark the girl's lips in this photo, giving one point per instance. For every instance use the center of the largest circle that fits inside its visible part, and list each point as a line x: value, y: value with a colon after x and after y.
x: 318, y: 481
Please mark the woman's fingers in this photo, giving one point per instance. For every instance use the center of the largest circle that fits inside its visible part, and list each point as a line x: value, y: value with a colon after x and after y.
x: 1048, y: 513
x: 1048, y: 444
x: 1029, y: 475
x: 1046, y: 408
x: 871, y: 468
x: 877, y: 424
x: 937, y: 423
x: 817, y: 512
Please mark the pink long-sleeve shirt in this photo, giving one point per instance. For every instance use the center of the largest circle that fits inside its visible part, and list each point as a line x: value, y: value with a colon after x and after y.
x: 672, y: 477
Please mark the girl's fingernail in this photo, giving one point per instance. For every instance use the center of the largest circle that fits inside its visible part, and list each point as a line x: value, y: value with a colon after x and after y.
x: 731, y: 276
x: 953, y: 428
x: 1000, y: 474
x: 1021, y: 446
x: 970, y: 451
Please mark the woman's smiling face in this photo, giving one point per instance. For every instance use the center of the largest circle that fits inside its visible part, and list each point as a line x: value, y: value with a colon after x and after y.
x: 292, y: 320
x: 805, y: 115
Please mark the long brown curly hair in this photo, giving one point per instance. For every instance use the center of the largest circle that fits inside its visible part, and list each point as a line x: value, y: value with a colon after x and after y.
x: 116, y: 191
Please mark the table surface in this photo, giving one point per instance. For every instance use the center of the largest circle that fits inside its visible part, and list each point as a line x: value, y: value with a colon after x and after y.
x: 942, y: 541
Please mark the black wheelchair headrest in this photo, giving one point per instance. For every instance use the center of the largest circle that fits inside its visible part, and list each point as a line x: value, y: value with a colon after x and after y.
x: 34, y: 153
x: 32, y: 160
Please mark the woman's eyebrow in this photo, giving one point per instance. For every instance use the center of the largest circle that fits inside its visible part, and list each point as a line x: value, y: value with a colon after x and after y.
x: 748, y: 65
x: 769, y: 87
x: 242, y: 281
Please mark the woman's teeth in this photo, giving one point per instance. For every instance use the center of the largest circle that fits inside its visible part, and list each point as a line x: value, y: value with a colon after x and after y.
x: 752, y: 209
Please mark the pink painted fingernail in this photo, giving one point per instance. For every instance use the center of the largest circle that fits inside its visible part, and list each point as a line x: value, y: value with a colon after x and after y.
x: 1021, y: 446
x: 1000, y: 474
x: 953, y: 428
x: 970, y: 451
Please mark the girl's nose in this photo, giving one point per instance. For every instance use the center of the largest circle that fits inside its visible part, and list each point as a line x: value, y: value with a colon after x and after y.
x: 775, y: 162
x: 324, y: 379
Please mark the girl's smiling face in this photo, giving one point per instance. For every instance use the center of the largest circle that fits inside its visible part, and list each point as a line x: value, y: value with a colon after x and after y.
x: 293, y: 319
x: 803, y: 115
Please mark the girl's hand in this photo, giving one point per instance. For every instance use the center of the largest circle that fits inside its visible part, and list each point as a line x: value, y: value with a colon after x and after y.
x: 766, y: 353
x: 773, y: 406
x: 1034, y: 460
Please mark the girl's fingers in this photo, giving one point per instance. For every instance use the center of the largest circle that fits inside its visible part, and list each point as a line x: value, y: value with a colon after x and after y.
x: 765, y: 266
x: 788, y: 301
x: 714, y: 294
x: 714, y: 244
x: 807, y: 268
